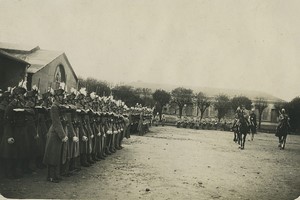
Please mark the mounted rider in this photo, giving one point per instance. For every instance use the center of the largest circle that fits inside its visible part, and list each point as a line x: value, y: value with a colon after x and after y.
x: 283, y: 120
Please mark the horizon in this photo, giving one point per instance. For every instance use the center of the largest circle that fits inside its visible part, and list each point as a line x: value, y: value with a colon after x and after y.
x: 230, y: 44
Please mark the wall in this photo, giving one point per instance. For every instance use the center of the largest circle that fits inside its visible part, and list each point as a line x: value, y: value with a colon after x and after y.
x: 46, y: 75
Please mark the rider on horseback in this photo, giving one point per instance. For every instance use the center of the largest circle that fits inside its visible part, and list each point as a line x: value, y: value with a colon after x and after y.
x: 282, y: 128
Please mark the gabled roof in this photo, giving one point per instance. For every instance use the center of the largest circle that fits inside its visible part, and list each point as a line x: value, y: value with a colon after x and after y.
x: 18, y: 48
x: 7, y: 55
x: 38, y: 59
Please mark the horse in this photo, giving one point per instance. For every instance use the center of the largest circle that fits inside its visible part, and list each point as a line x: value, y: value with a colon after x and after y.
x: 235, y: 131
x: 243, y: 130
x: 282, y: 131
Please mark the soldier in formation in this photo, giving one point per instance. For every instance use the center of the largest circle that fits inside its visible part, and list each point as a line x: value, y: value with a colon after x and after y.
x: 61, y: 131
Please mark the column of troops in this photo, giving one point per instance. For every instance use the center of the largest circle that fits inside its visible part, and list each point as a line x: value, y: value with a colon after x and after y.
x: 207, y: 124
x: 61, y: 131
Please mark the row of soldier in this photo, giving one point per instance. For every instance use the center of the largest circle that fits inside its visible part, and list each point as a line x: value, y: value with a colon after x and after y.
x: 62, y: 131
x: 209, y: 124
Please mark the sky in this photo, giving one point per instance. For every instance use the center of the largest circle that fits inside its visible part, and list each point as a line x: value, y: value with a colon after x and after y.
x: 234, y: 44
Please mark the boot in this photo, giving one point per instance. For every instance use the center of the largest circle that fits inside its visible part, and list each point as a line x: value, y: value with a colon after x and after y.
x: 95, y: 158
x: 107, y: 152
x: 83, y: 160
x: 89, y: 159
x: 52, y: 174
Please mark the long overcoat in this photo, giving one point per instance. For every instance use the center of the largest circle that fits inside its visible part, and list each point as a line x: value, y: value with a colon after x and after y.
x: 15, y: 127
x: 54, y: 138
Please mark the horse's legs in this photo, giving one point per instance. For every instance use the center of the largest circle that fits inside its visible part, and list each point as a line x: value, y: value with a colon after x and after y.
x: 243, y: 140
x: 283, y: 141
x: 279, y: 140
x: 234, y: 136
x: 252, y: 136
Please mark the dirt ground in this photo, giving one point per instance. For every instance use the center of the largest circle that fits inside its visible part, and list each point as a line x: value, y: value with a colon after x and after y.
x: 177, y: 163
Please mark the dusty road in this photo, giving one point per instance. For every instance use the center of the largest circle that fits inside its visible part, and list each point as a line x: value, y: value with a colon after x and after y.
x: 177, y: 163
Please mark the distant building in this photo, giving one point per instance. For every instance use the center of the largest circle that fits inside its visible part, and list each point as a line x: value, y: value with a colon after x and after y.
x: 45, y: 68
x: 269, y: 115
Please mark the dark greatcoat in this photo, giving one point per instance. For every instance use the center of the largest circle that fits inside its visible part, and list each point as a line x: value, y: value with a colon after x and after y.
x: 80, y: 130
x: 31, y: 130
x: 54, y: 138
x: 74, y: 146
x: 70, y: 133
x: 3, y: 106
x: 42, y: 131
x: 15, y: 127
x: 89, y: 132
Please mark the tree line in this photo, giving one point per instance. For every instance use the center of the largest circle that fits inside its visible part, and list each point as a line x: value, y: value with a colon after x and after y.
x: 182, y: 97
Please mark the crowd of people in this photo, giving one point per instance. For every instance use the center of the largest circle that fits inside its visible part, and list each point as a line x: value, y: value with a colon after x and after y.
x: 62, y: 131
x: 206, y: 123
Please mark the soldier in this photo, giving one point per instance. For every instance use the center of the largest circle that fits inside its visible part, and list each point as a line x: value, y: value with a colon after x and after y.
x: 4, y: 101
x: 163, y: 120
x: 55, y: 138
x: 67, y: 121
x: 79, y: 121
x: 253, y: 123
x: 14, y: 141
x: 282, y: 128
x: 88, y: 128
x: 94, y: 126
x: 43, y: 121
x: 31, y: 129
x: 73, y: 130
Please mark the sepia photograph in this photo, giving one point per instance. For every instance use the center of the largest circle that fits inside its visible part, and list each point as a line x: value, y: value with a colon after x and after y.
x: 150, y: 99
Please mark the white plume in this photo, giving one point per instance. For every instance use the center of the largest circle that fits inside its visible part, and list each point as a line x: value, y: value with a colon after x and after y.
x: 83, y: 91
x: 93, y: 95
x: 51, y: 91
x: 35, y: 88
x: 73, y: 90
x: 62, y: 85
x: 23, y: 84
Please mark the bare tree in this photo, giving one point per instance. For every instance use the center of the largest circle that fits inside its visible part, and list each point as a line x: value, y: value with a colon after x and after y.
x: 182, y: 96
x: 202, y: 102
x: 222, y: 105
x: 260, y: 105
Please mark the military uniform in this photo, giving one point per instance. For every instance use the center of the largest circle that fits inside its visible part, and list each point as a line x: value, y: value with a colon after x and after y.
x: 253, y: 124
x: 55, y: 138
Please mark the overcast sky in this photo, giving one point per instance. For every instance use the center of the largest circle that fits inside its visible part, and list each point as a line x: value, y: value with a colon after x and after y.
x: 236, y: 44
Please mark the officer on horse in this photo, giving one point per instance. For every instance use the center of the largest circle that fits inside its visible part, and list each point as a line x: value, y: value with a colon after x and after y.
x: 282, y: 128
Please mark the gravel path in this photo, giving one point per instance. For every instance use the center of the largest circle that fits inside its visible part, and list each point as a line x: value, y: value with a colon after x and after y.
x: 176, y: 163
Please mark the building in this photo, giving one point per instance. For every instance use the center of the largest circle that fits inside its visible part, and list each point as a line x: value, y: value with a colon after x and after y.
x: 12, y: 70
x: 45, y: 68
x: 269, y: 115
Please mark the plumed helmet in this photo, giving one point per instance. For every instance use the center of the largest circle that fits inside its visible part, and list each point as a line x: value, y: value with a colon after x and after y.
x: 19, y: 90
x: 59, y: 92
x: 32, y: 93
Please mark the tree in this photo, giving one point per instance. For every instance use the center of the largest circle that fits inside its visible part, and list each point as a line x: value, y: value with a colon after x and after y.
x: 241, y: 101
x: 162, y: 98
x: 293, y: 109
x: 126, y: 94
x: 202, y: 102
x: 94, y: 85
x: 222, y: 105
x: 181, y: 96
x: 260, y: 105
x: 146, y: 95
x: 280, y: 105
